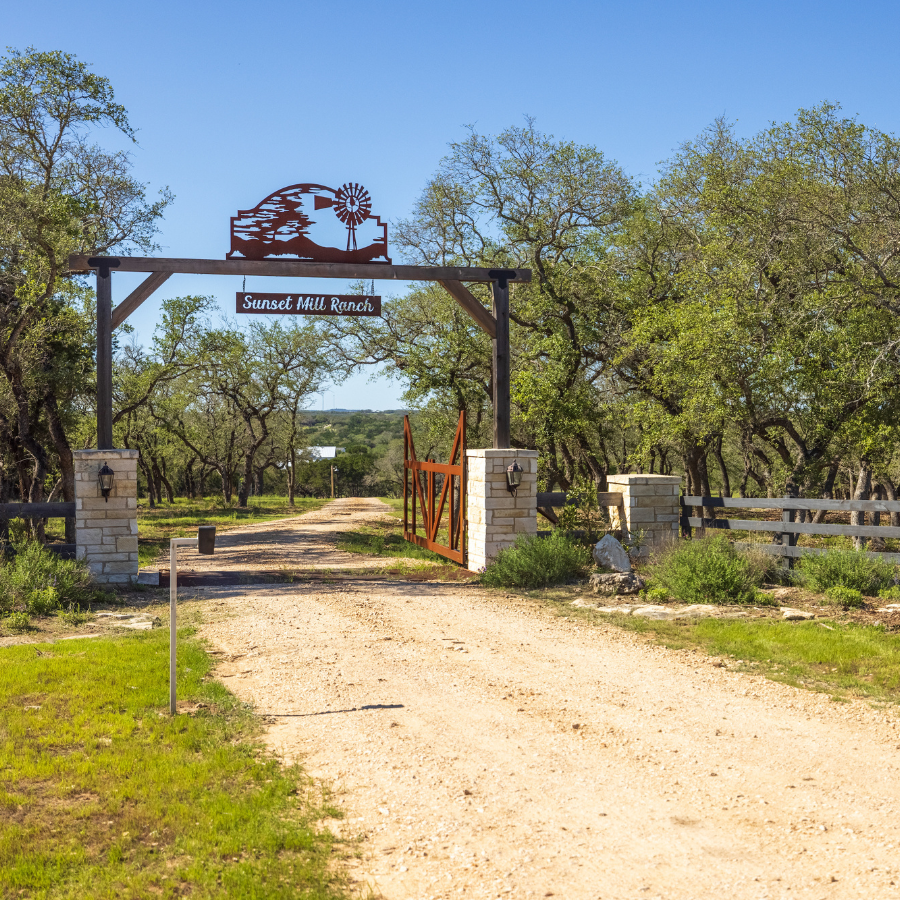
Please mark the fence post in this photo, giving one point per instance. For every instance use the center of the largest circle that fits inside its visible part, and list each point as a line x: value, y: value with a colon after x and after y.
x: 686, y: 530
x: 788, y: 538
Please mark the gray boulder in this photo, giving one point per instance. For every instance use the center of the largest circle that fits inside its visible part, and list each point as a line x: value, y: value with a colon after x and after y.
x: 616, y: 583
x: 610, y: 554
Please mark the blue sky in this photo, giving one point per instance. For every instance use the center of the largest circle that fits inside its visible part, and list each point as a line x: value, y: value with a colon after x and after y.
x: 234, y: 100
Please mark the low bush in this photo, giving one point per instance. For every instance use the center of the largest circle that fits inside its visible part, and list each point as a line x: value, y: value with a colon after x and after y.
x: 844, y: 568
x: 891, y: 593
x: 17, y: 621
x: 37, y: 582
x: 849, y: 598
x: 709, y: 570
x: 534, y: 562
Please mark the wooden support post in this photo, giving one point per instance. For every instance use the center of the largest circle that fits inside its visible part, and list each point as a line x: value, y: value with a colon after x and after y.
x: 500, y: 291
x: 104, y: 350
x: 788, y: 539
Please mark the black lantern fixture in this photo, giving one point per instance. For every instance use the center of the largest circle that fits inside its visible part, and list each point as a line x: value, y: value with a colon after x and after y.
x: 513, y: 477
x: 106, y: 476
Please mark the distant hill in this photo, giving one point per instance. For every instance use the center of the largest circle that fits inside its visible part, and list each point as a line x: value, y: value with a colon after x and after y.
x: 353, y: 427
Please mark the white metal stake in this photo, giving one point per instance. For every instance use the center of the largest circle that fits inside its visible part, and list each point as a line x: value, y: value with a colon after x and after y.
x: 173, y: 599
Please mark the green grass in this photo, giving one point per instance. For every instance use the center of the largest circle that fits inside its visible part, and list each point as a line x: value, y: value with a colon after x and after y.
x: 384, y: 538
x: 180, y: 519
x: 842, y: 659
x: 104, y: 795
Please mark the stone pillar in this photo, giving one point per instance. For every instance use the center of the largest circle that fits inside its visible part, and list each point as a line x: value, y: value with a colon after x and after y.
x: 650, y: 503
x: 106, y: 531
x: 495, y: 517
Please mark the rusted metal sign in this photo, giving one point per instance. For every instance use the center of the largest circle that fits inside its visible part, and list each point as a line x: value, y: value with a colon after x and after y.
x: 311, y: 222
x: 308, y: 304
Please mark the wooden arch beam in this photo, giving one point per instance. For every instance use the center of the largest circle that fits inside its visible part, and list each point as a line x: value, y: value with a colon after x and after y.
x: 137, y: 297
x: 461, y: 294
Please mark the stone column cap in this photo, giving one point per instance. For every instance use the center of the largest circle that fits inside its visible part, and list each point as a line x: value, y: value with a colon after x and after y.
x: 644, y: 479
x: 106, y: 454
x: 512, y: 451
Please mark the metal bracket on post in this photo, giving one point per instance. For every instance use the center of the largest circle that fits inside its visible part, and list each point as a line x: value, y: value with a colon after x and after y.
x: 500, y: 279
x: 103, y: 264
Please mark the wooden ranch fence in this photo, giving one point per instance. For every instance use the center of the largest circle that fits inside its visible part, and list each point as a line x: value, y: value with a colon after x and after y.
x: 60, y: 510
x: 786, y: 531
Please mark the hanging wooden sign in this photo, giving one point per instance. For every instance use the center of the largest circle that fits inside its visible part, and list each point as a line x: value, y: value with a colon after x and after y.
x: 308, y: 304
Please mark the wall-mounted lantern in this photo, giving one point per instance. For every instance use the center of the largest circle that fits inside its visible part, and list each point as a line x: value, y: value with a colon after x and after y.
x: 105, y: 477
x: 513, y: 477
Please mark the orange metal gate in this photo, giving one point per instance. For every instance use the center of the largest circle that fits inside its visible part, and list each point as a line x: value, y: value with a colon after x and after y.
x: 425, y: 479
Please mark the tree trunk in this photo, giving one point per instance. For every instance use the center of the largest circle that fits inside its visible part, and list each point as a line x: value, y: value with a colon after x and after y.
x: 151, y: 496
x: 66, y: 460
x: 709, y: 512
x: 723, y: 470
x: 827, y: 491
x: 863, y: 489
x: 227, y: 485
x: 890, y: 490
x: 170, y: 492
x: 292, y: 475
x: 189, y: 480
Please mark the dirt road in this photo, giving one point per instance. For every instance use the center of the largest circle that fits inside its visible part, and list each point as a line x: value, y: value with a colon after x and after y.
x: 489, y: 749
x: 297, y: 543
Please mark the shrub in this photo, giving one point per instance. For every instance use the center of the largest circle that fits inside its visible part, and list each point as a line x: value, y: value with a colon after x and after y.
x: 538, y: 562
x: 844, y: 568
x: 891, y: 593
x: 17, y: 621
x: 844, y: 596
x: 709, y: 570
x: 582, y: 512
x: 36, y: 581
x: 73, y: 615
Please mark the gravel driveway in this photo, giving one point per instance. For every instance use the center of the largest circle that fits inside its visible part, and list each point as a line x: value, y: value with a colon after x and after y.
x: 487, y: 748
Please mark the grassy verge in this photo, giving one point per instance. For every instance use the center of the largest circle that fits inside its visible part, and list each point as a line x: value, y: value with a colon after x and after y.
x: 843, y: 659
x: 838, y: 656
x: 103, y: 795
x: 385, y: 538
x: 180, y: 519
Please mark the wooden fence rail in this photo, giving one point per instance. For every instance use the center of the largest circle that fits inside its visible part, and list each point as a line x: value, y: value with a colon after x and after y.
x: 787, y: 527
x: 62, y: 510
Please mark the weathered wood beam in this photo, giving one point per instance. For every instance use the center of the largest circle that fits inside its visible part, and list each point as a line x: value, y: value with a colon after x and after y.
x: 60, y: 510
x: 794, y: 503
x: 501, y: 363
x: 137, y: 297
x: 883, y: 531
x: 104, y: 360
x: 295, y: 268
x: 461, y: 294
x: 797, y: 552
x: 560, y: 498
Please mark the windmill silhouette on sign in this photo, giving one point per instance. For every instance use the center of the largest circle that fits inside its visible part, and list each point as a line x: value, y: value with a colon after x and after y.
x: 293, y: 222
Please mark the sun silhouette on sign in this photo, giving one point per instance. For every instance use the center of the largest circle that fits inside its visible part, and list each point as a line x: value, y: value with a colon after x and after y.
x: 352, y: 205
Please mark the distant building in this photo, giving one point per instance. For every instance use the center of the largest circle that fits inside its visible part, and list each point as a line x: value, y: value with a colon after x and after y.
x: 323, y: 452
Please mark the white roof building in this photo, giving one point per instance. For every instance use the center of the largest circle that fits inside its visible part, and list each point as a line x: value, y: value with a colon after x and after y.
x: 324, y: 452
